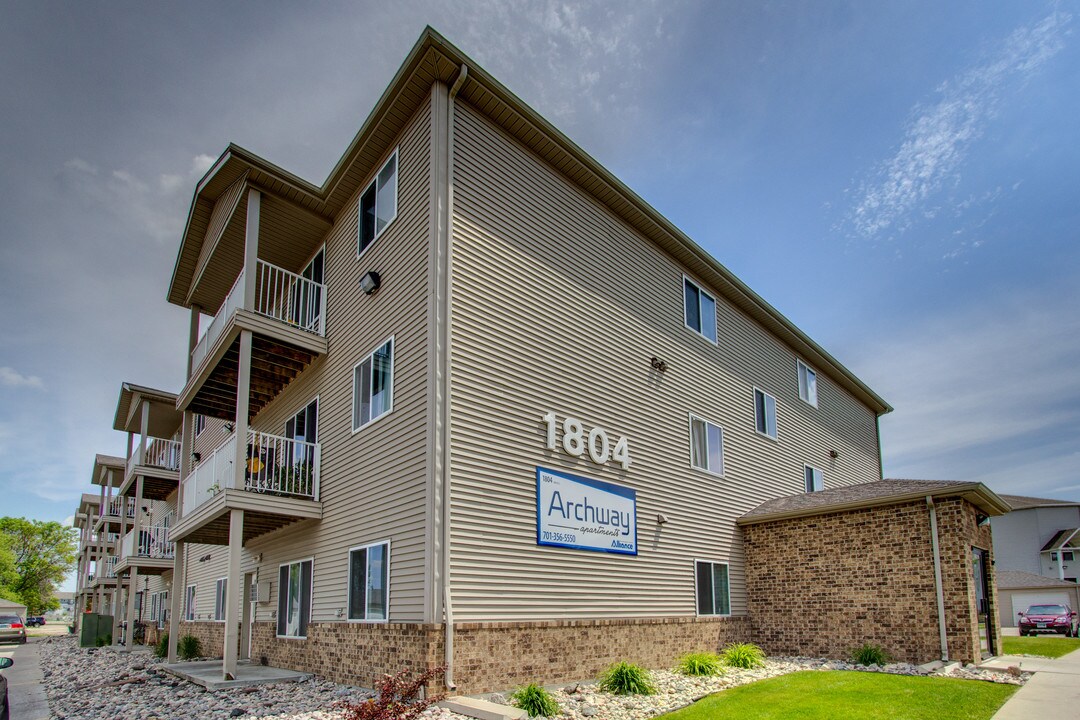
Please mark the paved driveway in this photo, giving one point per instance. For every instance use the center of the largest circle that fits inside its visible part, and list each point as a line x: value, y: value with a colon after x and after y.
x: 26, y: 693
x: 1053, y: 692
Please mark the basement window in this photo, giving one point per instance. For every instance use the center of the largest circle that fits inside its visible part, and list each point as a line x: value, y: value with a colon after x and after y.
x: 378, y: 205
x: 711, y: 584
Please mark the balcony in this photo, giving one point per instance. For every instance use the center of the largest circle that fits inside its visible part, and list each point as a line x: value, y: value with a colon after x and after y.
x: 280, y: 485
x: 159, y: 469
x: 151, y: 554
x: 105, y: 571
x: 111, y: 512
x: 287, y: 319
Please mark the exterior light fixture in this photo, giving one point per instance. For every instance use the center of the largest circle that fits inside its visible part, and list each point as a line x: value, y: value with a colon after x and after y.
x: 658, y: 364
x: 230, y: 426
x: 834, y: 454
x: 661, y: 518
x: 370, y: 282
x: 196, y: 457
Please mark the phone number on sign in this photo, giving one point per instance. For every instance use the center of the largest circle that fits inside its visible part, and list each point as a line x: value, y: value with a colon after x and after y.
x: 559, y: 537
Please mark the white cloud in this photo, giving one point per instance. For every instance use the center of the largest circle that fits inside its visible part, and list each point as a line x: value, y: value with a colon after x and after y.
x: 11, y: 377
x: 69, y: 521
x: 939, y: 135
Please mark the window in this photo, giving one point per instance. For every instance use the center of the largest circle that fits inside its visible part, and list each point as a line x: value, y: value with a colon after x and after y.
x: 369, y: 574
x: 294, y: 599
x: 807, y: 384
x: 200, y: 424
x: 1053, y: 557
x: 163, y: 609
x: 219, y: 599
x: 711, y: 579
x: 306, y: 298
x: 700, y: 309
x: 815, y: 481
x: 373, y: 386
x: 765, y: 413
x: 706, y: 446
x: 1067, y: 555
x: 189, y: 603
x: 303, y: 429
x: 378, y: 205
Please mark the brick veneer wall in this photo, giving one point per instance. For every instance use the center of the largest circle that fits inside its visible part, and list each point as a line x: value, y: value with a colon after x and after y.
x: 825, y: 584
x: 211, y: 636
x: 494, y: 656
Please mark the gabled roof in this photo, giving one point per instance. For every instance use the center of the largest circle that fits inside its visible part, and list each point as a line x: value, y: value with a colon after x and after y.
x: 1018, y: 580
x: 872, y: 494
x: 434, y: 59
x: 103, y: 463
x: 1062, y: 539
x: 164, y: 419
x: 1022, y: 502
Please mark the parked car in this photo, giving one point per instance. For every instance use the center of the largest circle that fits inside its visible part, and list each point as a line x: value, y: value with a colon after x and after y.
x: 1060, y: 619
x: 35, y: 620
x: 12, y: 628
x: 5, y: 709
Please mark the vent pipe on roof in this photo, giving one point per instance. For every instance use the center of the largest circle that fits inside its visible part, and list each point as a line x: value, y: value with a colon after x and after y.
x: 937, y: 579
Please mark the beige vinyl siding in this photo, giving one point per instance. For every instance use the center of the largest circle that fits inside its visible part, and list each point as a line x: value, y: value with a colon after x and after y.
x: 204, y: 565
x: 559, y: 306
x: 373, y: 483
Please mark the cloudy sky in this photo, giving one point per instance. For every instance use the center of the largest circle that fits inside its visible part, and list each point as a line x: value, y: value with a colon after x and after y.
x: 901, y: 179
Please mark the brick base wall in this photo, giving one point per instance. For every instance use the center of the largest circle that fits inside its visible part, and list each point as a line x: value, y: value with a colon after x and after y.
x: 211, y: 636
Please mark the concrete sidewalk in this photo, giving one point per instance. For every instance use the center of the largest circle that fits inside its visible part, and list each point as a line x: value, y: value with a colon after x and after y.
x: 1052, y: 692
x: 26, y: 691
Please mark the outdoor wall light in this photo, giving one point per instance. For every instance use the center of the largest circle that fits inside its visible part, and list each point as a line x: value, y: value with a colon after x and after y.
x: 196, y: 457
x: 661, y: 518
x: 658, y: 364
x: 370, y: 282
x: 230, y: 426
x: 834, y: 454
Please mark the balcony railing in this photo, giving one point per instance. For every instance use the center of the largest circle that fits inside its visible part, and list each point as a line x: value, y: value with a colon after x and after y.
x: 159, y: 453
x: 109, y: 567
x: 275, y: 466
x: 116, y: 504
x: 279, y: 294
x: 153, y: 542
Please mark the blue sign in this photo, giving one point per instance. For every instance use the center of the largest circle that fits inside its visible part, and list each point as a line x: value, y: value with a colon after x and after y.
x: 584, y: 514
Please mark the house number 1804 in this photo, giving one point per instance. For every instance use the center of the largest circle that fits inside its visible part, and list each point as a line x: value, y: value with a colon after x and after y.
x: 595, y: 442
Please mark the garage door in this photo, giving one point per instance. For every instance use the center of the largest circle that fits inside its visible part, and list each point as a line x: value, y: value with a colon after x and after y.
x: 1021, y: 600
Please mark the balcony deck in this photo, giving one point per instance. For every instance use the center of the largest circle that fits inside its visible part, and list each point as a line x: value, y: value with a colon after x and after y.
x: 152, y: 555
x: 160, y: 470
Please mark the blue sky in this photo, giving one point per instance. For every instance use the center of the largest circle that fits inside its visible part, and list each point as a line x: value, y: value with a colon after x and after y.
x: 900, y: 179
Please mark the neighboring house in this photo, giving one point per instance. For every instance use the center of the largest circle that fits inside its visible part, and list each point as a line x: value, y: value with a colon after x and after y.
x: 472, y: 400
x: 1018, y: 590
x: 10, y: 607
x: 1040, y: 536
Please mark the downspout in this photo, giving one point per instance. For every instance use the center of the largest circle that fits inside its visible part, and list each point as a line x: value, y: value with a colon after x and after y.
x: 448, y: 609
x: 937, y: 579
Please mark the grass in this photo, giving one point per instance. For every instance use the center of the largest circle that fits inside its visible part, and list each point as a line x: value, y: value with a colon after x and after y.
x: 1051, y: 647
x: 811, y: 695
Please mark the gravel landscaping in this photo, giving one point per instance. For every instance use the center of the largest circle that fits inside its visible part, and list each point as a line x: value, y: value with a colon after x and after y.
x: 95, y: 684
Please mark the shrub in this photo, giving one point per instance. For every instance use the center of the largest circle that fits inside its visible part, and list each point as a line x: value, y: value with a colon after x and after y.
x: 535, y: 700
x: 395, y: 699
x: 701, y: 664
x: 189, y: 647
x: 623, y: 678
x: 743, y: 655
x: 869, y: 654
x: 100, y: 641
x: 162, y: 648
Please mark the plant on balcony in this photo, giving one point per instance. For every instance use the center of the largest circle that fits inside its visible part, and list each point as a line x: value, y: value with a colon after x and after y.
x: 294, y: 478
x: 213, y: 489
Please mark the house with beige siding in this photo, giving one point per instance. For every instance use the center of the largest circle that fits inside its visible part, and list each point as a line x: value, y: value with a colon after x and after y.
x: 472, y: 400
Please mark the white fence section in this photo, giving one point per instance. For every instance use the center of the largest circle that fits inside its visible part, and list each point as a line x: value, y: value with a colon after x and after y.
x: 275, y: 465
x: 159, y: 453
x: 109, y: 567
x: 279, y: 294
x: 153, y: 543
x: 116, y: 504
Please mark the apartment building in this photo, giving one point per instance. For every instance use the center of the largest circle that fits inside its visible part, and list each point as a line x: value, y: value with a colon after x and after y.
x: 472, y: 397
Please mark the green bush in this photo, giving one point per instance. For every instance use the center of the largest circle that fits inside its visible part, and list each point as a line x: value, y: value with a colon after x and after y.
x: 162, y: 648
x: 742, y: 655
x: 189, y: 647
x: 701, y: 664
x: 623, y: 678
x: 535, y: 700
x: 100, y: 641
x: 869, y: 654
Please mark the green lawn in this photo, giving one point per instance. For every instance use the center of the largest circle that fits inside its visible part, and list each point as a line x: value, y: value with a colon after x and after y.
x: 828, y: 695
x: 1051, y: 647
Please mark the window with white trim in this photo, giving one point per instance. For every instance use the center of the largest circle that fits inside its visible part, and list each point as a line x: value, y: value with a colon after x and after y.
x: 765, y: 413
x: 711, y: 582
x: 189, y: 603
x: 373, y: 385
x: 815, y: 479
x: 706, y: 446
x: 219, y: 598
x: 369, y: 581
x: 200, y: 424
x: 699, y: 310
x: 378, y: 204
x: 163, y: 609
x: 807, y: 384
x: 303, y: 429
x: 294, y: 599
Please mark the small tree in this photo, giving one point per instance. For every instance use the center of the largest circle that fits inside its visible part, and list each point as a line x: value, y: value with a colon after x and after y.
x: 395, y: 699
x: 44, y: 554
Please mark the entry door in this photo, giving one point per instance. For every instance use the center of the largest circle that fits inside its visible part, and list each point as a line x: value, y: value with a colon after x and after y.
x: 980, y: 568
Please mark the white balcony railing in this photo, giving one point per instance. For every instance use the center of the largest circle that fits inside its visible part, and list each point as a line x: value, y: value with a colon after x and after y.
x: 116, y: 504
x: 279, y: 294
x: 159, y: 453
x: 153, y: 543
x: 275, y: 466
x: 109, y: 567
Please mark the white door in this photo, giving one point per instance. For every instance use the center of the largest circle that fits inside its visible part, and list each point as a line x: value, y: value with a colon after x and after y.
x: 1021, y: 601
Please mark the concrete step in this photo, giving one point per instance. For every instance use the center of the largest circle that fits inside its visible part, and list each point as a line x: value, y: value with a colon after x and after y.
x: 482, y: 709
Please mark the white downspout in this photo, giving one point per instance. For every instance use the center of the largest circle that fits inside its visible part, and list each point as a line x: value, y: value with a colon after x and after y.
x: 937, y: 579
x: 448, y: 609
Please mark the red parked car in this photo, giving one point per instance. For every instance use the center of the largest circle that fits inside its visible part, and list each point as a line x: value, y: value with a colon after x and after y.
x: 1060, y: 619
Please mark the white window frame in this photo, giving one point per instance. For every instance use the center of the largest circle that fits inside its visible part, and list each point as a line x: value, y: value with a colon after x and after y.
x: 221, y: 594
x: 199, y: 424
x: 697, y: 605
x: 163, y: 605
x: 311, y: 595
x: 690, y: 430
x: 804, y: 384
x: 355, y: 386
x: 817, y: 479
x: 397, y: 198
x: 348, y: 586
x: 701, y: 291
x: 765, y: 398
x: 190, y: 602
